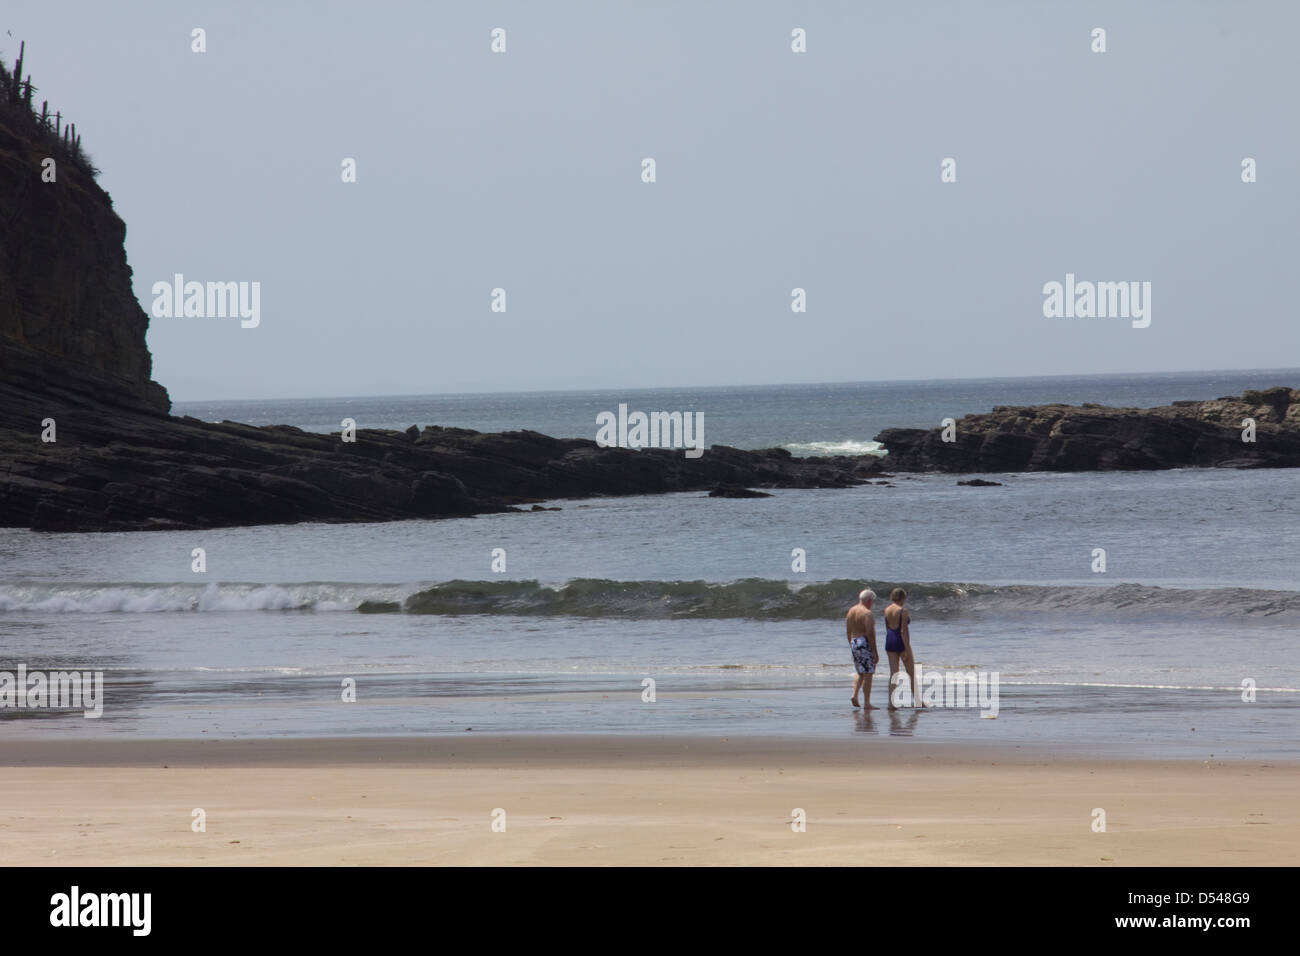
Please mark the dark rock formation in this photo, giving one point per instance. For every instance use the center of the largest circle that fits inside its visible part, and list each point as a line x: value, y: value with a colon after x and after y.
x: 736, y: 491
x: 113, y: 469
x: 1098, y: 438
x: 70, y: 324
x: 981, y: 483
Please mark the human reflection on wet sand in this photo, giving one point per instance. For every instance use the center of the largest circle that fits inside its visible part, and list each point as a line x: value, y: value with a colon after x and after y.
x: 901, y: 722
x: 900, y: 726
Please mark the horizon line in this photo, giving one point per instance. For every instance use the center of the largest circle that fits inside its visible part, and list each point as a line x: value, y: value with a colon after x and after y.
x: 656, y: 388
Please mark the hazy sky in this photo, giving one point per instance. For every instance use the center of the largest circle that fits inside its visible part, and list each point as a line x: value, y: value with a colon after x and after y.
x: 775, y: 170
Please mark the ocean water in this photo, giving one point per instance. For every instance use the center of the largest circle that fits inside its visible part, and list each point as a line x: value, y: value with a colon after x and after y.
x: 807, y: 419
x: 1199, y: 598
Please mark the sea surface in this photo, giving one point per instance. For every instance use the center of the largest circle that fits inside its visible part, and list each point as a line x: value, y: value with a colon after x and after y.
x: 1184, y: 643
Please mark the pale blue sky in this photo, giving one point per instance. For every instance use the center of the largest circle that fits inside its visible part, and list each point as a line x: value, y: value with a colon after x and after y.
x: 775, y: 170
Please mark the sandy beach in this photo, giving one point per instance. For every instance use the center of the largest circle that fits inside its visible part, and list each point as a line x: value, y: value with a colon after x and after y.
x: 585, y: 800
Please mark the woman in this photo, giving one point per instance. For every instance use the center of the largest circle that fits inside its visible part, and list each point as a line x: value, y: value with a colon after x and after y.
x: 898, y: 642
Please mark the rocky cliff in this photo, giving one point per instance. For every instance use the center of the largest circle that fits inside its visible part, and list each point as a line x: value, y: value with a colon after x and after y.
x: 1099, y: 438
x: 70, y: 324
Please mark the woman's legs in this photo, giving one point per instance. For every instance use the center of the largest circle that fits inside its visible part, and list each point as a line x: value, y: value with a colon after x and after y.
x: 910, y: 663
x: 893, y: 669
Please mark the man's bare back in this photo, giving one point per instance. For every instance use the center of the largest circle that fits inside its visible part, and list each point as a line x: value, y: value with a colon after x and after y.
x: 860, y: 623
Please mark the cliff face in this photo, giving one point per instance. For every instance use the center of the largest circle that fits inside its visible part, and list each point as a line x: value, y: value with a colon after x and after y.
x: 1099, y: 438
x: 70, y: 325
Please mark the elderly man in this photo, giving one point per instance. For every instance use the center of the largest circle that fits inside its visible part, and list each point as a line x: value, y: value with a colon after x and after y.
x: 861, y: 628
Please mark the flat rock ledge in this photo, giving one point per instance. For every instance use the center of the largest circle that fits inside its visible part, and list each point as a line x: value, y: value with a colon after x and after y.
x: 1101, y: 438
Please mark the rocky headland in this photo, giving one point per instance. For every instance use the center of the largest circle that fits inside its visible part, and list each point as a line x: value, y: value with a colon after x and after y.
x: 74, y: 367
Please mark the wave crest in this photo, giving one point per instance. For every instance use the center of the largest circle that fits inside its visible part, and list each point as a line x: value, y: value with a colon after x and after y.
x: 749, y: 598
x: 132, y: 598
x: 763, y: 599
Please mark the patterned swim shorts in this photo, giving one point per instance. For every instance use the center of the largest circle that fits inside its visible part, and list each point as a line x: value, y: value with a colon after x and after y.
x: 863, y: 660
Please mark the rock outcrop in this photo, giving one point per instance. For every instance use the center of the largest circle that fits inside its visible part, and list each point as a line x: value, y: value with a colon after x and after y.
x: 111, y: 470
x: 736, y: 491
x: 1099, y: 438
x: 70, y: 324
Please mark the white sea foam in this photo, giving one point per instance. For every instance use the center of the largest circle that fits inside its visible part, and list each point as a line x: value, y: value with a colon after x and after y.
x: 161, y: 598
x: 816, y: 449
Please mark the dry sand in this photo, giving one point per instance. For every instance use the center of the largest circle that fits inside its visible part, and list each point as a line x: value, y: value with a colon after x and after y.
x: 630, y: 801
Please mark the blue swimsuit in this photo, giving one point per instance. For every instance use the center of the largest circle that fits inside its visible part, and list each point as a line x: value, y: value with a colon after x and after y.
x: 894, y: 636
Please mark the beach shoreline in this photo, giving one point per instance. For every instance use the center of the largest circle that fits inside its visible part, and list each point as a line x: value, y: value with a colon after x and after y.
x: 605, y: 800
x: 557, y: 750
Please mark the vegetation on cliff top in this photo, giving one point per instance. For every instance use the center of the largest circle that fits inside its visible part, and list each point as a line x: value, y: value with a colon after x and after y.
x: 46, y: 128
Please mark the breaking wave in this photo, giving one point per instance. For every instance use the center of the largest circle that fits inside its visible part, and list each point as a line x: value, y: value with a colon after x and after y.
x: 814, y: 449
x: 762, y: 599
x: 750, y: 598
x: 145, y: 598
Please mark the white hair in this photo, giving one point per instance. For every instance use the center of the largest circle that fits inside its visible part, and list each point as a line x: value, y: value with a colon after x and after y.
x: 867, y: 596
